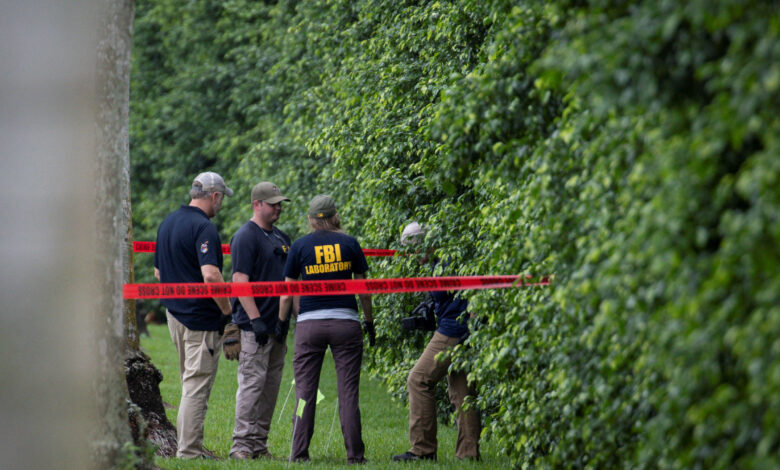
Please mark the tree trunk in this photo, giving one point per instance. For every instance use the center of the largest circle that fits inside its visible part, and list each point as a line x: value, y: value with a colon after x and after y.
x: 115, y: 23
x: 145, y: 413
x: 143, y: 379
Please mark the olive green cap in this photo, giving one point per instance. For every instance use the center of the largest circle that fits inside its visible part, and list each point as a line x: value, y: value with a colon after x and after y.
x: 267, y: 192
x: 322, y: 207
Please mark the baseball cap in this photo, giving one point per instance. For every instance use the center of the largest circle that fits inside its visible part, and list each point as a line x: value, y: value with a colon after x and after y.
x: 267, y: 192
x: 210, y: 181
x: 413, y: 232
x: 322, y: 206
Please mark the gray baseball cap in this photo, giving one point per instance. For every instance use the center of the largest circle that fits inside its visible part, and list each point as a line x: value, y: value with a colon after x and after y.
x: 322, y: 207
x: 267, y: 192
x: 210, y: 181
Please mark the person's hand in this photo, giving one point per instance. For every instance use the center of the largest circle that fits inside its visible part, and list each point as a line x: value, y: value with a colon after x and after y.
x: 368, y: 326
x: 261, y: 331
x: 280, y: 330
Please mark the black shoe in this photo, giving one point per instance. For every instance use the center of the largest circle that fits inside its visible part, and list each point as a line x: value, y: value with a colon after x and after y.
x: 409, y: 457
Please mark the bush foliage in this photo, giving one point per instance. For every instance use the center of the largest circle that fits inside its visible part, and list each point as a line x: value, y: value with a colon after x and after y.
x: 630, y: 148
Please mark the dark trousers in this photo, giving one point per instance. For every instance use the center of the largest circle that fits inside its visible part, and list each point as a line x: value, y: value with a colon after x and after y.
x: 345, y: 339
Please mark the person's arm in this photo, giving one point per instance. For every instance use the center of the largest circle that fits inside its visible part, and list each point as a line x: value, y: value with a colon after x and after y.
x: 157, y: 274
x: 296, y: 305
x: 211, y: 273
x: 365, y: 302
x: 250, y: 307
x: 285, y: 302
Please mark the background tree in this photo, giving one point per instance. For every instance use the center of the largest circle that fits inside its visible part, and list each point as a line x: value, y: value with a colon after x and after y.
x: 114, y: 443
x: 628, y: 148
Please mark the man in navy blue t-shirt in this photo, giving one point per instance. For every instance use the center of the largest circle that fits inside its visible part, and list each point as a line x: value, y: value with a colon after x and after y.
x: 189, y: 250
x: 259, y: 251
x: 450, y: 310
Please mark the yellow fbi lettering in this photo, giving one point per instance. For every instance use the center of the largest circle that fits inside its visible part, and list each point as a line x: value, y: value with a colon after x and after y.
x: 328, y: 258
x: 328, y: 267
x: 327, y: 253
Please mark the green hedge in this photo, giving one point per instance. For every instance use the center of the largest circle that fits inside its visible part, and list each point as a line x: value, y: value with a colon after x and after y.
x: 630, y: 149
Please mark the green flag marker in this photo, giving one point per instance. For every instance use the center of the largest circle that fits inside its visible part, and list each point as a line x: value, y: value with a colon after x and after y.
x: 320, y: 396
x: 301, y: 405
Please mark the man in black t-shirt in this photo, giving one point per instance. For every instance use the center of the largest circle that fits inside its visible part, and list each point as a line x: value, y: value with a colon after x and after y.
x: 259, y: 251
x: 189, y: 250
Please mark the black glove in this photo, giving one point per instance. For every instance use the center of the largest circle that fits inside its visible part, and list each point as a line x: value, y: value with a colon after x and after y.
x: 223, y: 321
x: 368, y: 326
x: 280, y: 330
x: 261, y: 331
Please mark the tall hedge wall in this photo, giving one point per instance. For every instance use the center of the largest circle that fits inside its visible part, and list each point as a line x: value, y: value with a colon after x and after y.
x: 629, y: 148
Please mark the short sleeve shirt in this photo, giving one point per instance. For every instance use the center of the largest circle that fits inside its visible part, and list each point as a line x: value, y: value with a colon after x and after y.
x: 325, y: 255
x: 261, y: 255
x: 187, y: 240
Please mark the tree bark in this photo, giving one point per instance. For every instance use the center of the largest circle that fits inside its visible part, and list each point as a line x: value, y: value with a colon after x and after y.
x: 144, y: 410
x: 115, y: 23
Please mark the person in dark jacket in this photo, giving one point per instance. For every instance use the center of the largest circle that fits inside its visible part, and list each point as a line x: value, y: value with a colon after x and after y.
x: 451, y: 316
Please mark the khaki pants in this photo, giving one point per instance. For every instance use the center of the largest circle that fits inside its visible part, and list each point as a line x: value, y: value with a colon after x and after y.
x: 422, y: 403
x: 198, y: 359
x: 259, y: 377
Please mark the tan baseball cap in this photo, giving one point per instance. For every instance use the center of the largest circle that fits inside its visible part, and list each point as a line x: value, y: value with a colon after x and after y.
x: 210, y: 181
x: 267, y: 192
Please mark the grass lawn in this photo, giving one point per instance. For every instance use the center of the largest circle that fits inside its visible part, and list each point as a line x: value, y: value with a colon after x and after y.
x: 385, y: 422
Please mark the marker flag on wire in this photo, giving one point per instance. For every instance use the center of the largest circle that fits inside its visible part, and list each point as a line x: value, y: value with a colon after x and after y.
x: 301, y: 405
x: 287, y: 397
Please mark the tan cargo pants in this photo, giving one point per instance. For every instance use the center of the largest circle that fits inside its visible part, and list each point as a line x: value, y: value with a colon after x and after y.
x: 259, y: 377
x: 198, y: 359
x: 422, y: 403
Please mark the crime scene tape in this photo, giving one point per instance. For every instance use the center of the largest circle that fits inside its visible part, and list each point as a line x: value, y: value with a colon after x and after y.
x: 148, y: 247
x: 333, y: 287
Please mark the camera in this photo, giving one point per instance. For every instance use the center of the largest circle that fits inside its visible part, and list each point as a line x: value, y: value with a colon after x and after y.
x: 422, y: 317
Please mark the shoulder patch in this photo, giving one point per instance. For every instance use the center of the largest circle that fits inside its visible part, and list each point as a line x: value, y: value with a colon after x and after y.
x: 204, y: 247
